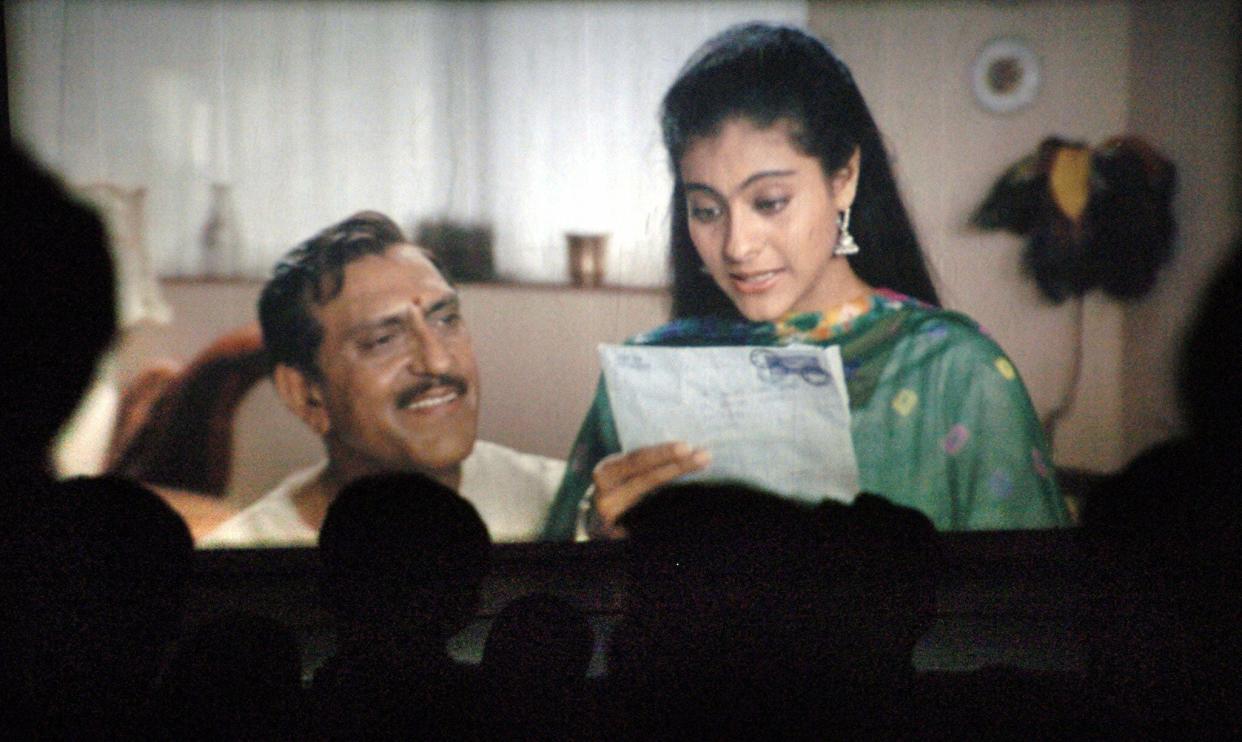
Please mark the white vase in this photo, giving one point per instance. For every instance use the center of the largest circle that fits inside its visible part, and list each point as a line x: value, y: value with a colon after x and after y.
x: 221, y: 239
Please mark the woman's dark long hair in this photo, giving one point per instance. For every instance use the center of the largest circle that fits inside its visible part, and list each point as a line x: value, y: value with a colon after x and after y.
x: 767, y: 74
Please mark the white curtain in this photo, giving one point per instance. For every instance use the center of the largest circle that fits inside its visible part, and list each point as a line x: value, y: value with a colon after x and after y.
x: 537, y: 118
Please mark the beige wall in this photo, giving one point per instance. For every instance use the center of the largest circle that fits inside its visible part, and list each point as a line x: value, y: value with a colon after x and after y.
x: 537, y: 355
x: 1184, y: 66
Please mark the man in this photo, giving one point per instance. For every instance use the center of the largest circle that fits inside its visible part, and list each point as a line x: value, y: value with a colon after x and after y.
x: 58, y: 297
x: 395, y: 601
x: 370, y: 350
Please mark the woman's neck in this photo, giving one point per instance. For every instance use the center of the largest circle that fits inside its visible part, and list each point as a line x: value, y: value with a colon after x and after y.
x: 849, y: 297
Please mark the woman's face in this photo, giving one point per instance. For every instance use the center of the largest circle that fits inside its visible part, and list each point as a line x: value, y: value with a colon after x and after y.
x: 763, y: 218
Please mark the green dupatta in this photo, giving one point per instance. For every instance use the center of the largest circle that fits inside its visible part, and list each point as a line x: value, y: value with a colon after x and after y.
x: 940, y: 419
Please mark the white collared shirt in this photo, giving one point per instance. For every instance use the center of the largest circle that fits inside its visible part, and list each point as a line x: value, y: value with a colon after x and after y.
x: 511, y: 491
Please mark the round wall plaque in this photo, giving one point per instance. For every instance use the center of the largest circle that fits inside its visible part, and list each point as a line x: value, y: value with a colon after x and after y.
x: 1005, y: 75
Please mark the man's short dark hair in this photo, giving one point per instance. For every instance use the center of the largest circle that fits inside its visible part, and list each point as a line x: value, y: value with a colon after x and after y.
x: 314, y: 273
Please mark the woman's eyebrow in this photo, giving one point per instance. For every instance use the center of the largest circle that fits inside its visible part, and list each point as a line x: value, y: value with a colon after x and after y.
x: 703, y: 187
x: 765, y: 174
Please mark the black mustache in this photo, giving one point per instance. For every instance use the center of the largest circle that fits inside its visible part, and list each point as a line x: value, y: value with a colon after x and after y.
x: 426, y: 383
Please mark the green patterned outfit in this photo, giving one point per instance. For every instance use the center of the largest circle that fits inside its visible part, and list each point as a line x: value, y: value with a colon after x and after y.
x: 940, y: 419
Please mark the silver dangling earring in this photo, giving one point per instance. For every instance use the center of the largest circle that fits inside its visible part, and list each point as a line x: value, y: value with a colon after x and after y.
x: 845, y: 241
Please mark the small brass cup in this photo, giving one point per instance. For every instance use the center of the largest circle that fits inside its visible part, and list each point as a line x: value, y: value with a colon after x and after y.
x: 586, y: 258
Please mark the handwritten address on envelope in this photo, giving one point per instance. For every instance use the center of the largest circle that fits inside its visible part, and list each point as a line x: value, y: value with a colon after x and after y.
x: 775, y: 417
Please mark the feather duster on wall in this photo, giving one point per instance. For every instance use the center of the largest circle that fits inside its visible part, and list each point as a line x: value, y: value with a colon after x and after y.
x: 1093, y: 218
x: 1097, y: 218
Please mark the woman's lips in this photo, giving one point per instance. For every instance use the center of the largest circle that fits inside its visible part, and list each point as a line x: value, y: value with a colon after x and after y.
x: 755, y: 282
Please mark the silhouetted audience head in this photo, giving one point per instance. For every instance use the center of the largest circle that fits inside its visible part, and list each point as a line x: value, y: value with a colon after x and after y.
x: 58, y: 300
x: 403, y: 558
x: 539, y: 639
x: 726, y: 597
x: 403, y: 553
x: 533, y: 675
x: 708, y: 556
x: 1177, y: 502
x: 754, y: 612
x: 237, y: 676
x: 104, y: 595
x: 889, y: 557
x: 1209, y: 392
x: 1168, y: 531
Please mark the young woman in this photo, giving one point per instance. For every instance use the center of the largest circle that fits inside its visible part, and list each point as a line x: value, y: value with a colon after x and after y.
x: 788, y: 228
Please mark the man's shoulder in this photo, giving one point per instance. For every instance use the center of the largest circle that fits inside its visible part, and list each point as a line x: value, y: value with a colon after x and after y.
x: 495, y: 459
x: 511, y: 490
x: 272, y: 520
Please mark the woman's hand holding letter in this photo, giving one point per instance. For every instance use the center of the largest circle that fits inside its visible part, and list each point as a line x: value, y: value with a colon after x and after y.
x: 622, y: 479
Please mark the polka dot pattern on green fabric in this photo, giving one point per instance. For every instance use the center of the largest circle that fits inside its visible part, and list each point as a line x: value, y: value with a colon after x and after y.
x: 939, y: 417
x: 905, y: 401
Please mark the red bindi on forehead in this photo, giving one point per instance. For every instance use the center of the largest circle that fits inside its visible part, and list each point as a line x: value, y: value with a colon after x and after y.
x: 395, y: 282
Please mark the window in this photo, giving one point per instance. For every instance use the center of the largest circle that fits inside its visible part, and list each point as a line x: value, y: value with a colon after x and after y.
x: 536, y: 118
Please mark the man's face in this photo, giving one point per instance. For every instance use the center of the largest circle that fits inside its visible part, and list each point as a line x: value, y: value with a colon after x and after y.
x: 398, y: 385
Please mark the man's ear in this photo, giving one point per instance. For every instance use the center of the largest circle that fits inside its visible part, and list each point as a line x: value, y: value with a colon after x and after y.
x: 303, y: 397
x: 844, y: 181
